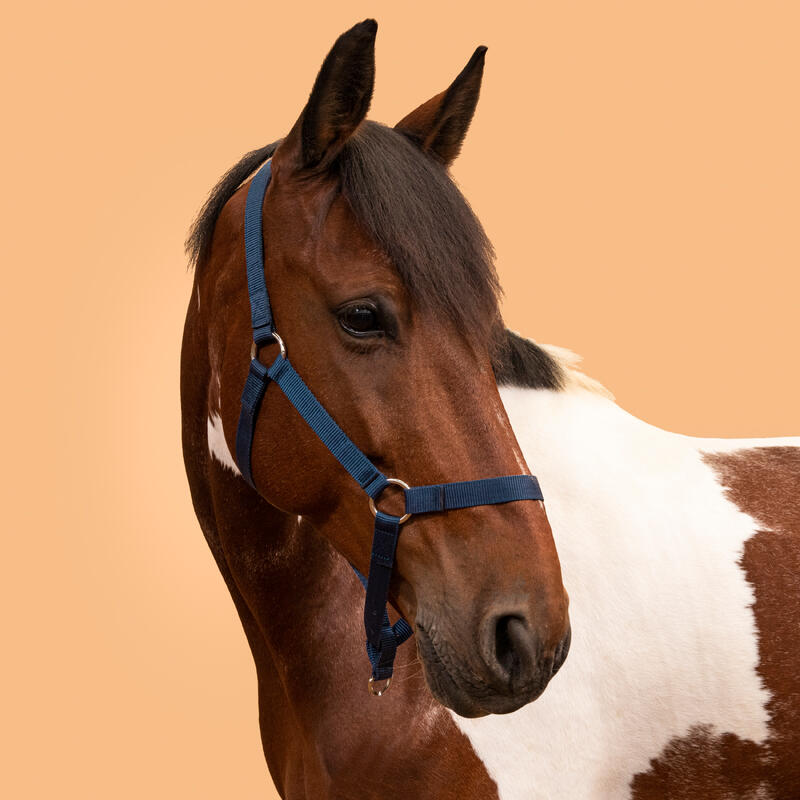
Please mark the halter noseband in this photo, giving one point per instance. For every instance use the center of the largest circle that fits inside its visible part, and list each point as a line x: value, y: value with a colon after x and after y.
x: 382, y: 637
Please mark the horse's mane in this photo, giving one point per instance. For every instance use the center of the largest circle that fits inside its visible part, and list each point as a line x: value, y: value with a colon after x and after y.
x: 198, y: 242
x: 411, y: 208
x: 521, y: 362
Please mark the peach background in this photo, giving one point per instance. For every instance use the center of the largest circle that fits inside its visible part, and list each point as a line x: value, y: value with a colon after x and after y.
x: 636, y: 165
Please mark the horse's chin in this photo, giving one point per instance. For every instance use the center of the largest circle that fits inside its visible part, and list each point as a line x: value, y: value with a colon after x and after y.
x: 464, y: 691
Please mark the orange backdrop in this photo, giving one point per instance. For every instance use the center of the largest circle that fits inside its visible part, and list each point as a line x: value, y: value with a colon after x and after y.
x: 636, y: 165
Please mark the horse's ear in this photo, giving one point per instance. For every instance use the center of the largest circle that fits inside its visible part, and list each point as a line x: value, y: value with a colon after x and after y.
x: 338, y: 103
x: 440, y: 125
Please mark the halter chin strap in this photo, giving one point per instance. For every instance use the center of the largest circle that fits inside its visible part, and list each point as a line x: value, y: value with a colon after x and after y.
x: 383, y: 638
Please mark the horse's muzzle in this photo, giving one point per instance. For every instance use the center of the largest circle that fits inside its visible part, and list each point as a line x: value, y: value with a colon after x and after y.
x: 511, y: 667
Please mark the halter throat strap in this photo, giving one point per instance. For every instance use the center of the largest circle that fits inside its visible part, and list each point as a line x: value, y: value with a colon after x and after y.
x: 383, y: 638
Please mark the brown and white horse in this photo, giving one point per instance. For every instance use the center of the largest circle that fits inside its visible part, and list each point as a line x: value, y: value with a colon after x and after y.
x: 681, y: 556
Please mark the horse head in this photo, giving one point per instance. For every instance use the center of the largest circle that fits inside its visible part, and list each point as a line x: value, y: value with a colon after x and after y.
x: 383, y: 288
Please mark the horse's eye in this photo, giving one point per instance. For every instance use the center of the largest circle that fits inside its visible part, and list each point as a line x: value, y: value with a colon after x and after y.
x: 360, y: 319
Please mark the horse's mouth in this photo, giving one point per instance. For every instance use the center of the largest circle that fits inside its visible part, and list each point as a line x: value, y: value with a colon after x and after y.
x: 462, y: 685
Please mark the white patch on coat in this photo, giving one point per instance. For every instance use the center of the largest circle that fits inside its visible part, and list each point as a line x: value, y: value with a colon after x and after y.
x: 664, y: 636
x: 217, y: 445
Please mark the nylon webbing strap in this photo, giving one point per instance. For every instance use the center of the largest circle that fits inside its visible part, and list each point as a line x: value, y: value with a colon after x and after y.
x: 384, y: 545
x: 254, y: 389
x: 463, y: 494
x: 260, y: 310
x: 391, y: 637
x: 363, y: 471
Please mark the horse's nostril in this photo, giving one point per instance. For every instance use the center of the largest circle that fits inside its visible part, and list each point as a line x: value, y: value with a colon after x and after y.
x: 510, y: 651
x: 515, y: 657
x: 507, y: 634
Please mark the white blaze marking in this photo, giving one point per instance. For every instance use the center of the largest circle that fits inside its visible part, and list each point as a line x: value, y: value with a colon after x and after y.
x: 217, y: 445
x: 663, y: 631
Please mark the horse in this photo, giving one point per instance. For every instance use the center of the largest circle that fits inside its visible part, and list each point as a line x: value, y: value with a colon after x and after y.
x: 681, y: 555
x: 383, y: 288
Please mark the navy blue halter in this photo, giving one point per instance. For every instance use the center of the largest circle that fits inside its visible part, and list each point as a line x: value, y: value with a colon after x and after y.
x: 382, y: 637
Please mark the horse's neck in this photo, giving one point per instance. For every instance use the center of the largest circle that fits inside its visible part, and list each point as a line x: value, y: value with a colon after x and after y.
x: 302, y: 610
x: 279, y: 562
x: 608, y: 475
x: 583, y: 437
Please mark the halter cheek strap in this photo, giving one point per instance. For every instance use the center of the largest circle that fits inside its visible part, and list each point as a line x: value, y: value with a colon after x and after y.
x: 383, y: 638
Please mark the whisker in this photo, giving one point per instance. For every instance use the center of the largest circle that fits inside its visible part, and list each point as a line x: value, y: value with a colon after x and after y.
x: 406, y: 678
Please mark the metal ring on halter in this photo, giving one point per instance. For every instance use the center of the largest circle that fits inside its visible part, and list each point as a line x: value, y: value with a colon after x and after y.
x: 394, y: 482
x: 378, y: 692
x: 254, y: 346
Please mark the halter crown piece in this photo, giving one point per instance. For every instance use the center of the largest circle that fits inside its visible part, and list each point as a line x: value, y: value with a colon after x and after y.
x: 383, y: 638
